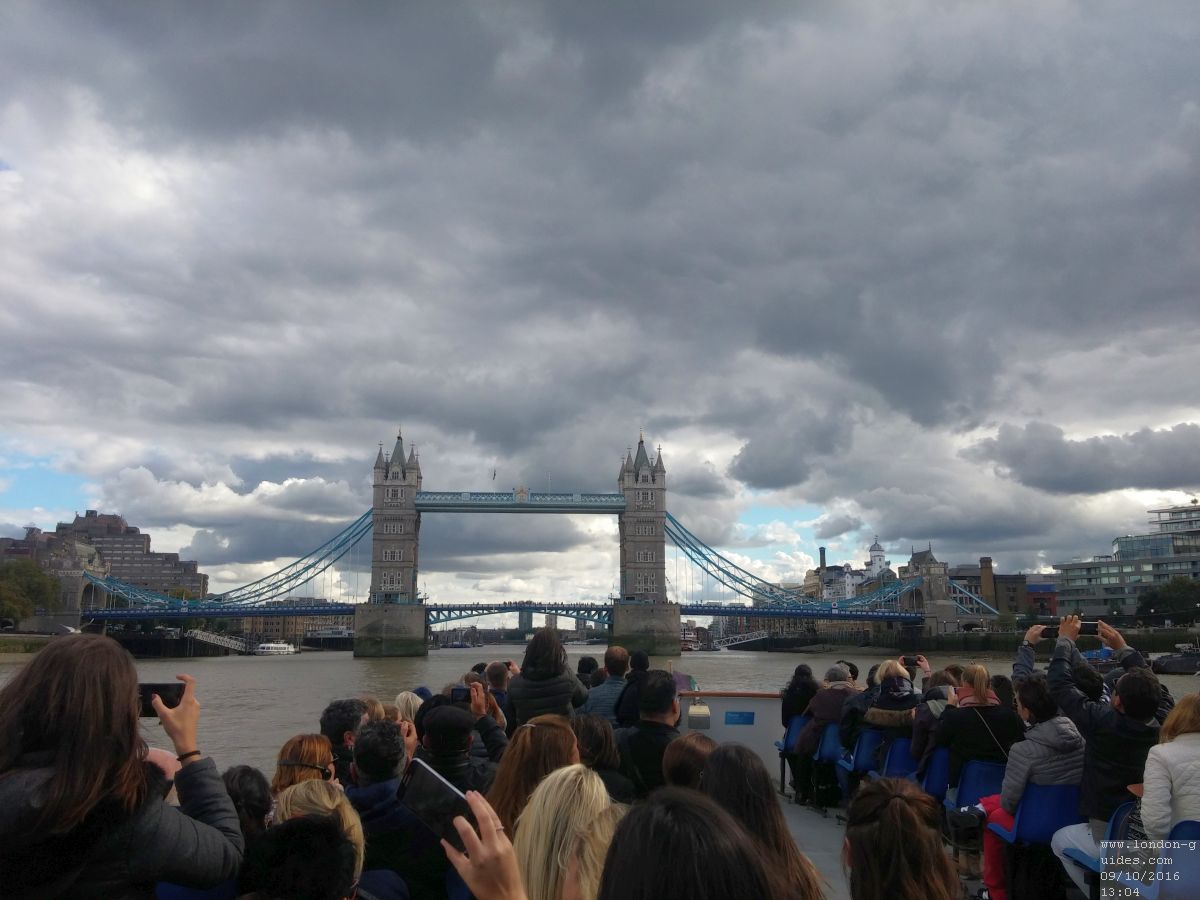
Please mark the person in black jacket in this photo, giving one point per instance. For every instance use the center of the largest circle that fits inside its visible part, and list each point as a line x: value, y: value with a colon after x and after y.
x: 855, y: 708
x: 800, y: 690
x: 642, y: 745
x: 446, y: 734
x: 545, y: 686
x: 1118, y: 737
x: 78, y: 815
x: 975, y: 725
x: 627, y: 708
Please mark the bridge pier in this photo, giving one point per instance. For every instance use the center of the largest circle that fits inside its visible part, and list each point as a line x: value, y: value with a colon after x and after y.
x: 390, y: 629
x: 653, y: 627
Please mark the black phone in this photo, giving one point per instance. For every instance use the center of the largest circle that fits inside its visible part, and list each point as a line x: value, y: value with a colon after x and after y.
x: 460, y: 695
x: 1050, y: 633
x: 1092, y: 628
x: 434, y: 801
x: 910, y: 661
x: 171, y: 693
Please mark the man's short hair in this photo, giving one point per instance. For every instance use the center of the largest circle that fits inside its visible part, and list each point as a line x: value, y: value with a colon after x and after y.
x: 658, y: 693
x: 306, y: 858
x: 616, y: 661
x: 1034, y: 694
x: 496, y: 674
x: 1140, y: 694
x: 1088, y: 680
x: 850, y: 667
x: 379, y: 751
x: 837, y: 673
x: 479, y: 668
x: 341, y: 716
x: 448, y: 730
x: 639, y: 660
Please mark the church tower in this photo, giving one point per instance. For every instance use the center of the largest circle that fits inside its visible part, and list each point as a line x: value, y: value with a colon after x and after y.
x: 396, y: 525
x: 642, y: 527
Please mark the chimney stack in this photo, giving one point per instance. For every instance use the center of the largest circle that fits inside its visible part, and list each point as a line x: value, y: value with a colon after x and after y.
x: 822, y: 549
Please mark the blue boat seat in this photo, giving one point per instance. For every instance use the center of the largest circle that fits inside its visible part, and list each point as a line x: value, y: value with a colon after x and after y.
x: 1042, y: 811
x: 898, y: 761
x: 787, y: 746
x: 863, y: 757
x: 829, y: 750
x: 977, y: 779
x: 937, y: 774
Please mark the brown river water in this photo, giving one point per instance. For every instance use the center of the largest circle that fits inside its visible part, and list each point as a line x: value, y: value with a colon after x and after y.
x: 252, y: 704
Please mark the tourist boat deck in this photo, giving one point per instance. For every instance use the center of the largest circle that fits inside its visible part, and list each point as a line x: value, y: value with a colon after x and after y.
x: 277, y: 648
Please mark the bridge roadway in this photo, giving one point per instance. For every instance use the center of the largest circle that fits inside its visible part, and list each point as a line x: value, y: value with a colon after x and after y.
x: 441, y: 613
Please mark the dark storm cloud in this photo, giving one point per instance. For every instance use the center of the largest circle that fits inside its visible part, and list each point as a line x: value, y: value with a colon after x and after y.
x: 527, y: 231
x: 835, y: 526
x: 1040, y: 455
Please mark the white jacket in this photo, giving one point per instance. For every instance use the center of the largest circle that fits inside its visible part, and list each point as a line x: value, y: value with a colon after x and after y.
x: 1172, y: 785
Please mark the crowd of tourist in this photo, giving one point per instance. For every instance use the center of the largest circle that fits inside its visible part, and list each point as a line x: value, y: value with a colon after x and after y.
x: 570, y: 785
x: 1120, y: 738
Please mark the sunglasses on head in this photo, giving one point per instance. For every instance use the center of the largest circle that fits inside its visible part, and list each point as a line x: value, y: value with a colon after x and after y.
x: 324, y: 770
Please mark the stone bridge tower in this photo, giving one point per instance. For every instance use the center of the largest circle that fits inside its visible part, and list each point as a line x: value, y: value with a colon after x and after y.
x: 396, y: 525
x: 643, y: 527
x: 392, y: 621
x: 643, y: 619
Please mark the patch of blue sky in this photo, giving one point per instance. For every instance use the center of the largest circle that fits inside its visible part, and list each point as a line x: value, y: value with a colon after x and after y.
x: 755, y: 518
x: 31, y: 482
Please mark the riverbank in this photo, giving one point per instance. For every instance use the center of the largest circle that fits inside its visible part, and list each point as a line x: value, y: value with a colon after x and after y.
x: 20, y: 647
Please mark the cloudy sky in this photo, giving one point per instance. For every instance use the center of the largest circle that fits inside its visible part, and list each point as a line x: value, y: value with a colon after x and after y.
x: 922, y: 270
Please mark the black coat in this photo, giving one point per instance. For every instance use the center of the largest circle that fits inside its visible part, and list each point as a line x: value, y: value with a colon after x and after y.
x: 825, y: 709
x: 852, y: 715
x: 795, y: 702
x: 968, y: 732
x: 642, y: 747
x: 1116, y: 746
x: 535, y: 695
x: 627, y: 709
x: 117, y: 855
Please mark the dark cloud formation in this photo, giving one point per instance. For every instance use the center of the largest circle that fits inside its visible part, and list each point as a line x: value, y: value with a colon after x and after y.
x: 835, y: 526
x: 816, y: 251
x: 1040, y: 455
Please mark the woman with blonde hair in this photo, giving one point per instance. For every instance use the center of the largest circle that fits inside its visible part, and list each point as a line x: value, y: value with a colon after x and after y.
x: 537, y: 748
x: 320, y: 798
x: 1171, y: 787
x: 975, y: 725
x: 408, y: 703
x: 564, y: 835
x: 306, y: 757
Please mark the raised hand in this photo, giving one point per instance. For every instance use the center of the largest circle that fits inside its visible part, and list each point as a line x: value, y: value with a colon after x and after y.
x: 181, y: 722
x: 489, y: 867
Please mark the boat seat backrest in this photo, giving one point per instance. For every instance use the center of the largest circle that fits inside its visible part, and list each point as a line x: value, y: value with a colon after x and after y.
x: 978, y: 779
x: 1044, y: 809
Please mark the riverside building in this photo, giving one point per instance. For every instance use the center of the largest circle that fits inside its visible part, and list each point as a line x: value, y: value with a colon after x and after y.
x: 1110, y: 585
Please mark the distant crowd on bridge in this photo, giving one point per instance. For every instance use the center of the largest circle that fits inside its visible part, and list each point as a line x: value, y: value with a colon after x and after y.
x: 533, y: 782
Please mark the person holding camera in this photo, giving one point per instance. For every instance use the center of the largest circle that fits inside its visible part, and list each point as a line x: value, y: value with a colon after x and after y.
x: 78, y: 815
x: 1118, y: 735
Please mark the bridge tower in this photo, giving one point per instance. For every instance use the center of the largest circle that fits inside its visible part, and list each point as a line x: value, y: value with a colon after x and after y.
x: 392, y: 622
x: 643, y: 618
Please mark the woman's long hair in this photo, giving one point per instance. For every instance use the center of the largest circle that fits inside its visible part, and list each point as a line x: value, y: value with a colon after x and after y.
x: 894, y: 844
x: 738, y: 781
x: 544, y: 656
x: 302, y: 758
x: 802, y: 680
x: 320, y: 798
x: 679, y: 843
x: 76, y: 703
x: 537, y: 748
x: 569, y: 815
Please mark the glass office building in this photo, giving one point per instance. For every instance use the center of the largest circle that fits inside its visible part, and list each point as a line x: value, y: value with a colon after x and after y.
x: 1111, y: 585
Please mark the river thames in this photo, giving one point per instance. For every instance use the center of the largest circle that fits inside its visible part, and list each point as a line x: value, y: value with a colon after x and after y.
x: 250, y: 705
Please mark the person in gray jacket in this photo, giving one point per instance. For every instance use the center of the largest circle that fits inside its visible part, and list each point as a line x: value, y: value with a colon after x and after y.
x: 602, y: 699
x: 1052, y: 753
x: 82, y: 814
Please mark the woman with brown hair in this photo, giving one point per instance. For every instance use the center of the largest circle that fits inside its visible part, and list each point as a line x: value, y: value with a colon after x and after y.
x: 77, y: 813
x: 737, y: 780
x: 598, y: 751
x: 893, y: 845
x: 537, y: 748
x: 683, y: 760
x: 303, y: 758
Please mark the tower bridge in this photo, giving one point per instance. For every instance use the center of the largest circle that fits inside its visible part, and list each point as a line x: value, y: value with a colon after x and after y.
x: 395, y: 618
